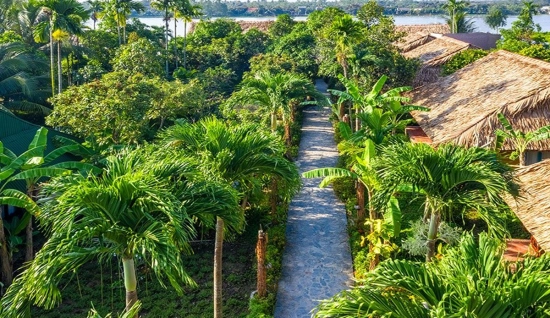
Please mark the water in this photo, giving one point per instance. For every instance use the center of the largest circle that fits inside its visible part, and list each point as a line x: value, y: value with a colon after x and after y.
x: 481, y: 26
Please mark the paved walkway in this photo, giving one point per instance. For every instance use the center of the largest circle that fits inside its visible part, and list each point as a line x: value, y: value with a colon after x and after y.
x: 317, y: 259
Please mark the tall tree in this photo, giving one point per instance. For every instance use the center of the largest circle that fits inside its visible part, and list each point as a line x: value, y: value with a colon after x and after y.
x: 238, y: 155
x: 119, y: 10
x: 137, y: 208
x: 165, y: 6
x: 96, y: 6
x: 452, y: 179
x: 63, y: 16
x: 456, y: 12
x: 496, y: 17
x: 277, y: 94
x: 187, y: 11
x: 345, y: 32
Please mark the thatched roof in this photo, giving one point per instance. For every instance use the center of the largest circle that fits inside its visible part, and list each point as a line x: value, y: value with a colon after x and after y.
x: 533, y: 205
x: 438, y: 51
x: 426, y: 28
x: 413, y: 40
x: 464, y: 105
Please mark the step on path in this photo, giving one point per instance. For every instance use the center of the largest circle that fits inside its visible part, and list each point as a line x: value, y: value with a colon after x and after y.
x: 317, y: 259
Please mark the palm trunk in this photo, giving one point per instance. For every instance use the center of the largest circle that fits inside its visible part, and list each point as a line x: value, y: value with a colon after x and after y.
x: 288, y: 135
x: 166, y: 38
x: 360, y: 191
x: 184, y: 44
x: 59, y: 75
x: 522, y: 159
x: 357, y: 122
x: 273, y: 122
x: 7, y: 271
x: 130, y: 281
x: 175, y: 39
x: 29, y: 248
x: 124, y: 34
x: 52, y: 70
x: 218, y: 269
x: 432, y: 236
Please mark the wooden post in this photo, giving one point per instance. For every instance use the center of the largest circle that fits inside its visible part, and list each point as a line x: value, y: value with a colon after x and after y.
x: 261, y: 248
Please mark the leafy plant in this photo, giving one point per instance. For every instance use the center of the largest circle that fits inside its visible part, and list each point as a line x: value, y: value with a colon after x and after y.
x: 462, y: 59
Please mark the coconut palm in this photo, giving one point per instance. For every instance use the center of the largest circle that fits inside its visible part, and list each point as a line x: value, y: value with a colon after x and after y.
x: 452, y: 179
x: 457, y: 21
x: 277, y: 94
x: 345, y: 33
x: 187, y: 11
x: 166, y: 6
x: 18, y: 85
x: 239, y: 155
x: 471, y: 280
x: 64, y: 17
x: 96, y: 6
x: 519, y: 140
x: 119, y: 10
x: 137, y: 210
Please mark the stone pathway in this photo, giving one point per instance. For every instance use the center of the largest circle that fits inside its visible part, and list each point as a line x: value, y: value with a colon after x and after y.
x: 317, y: 259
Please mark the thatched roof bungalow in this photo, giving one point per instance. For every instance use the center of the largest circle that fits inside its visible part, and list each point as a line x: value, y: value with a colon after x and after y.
x: 416, y: 35
x: 533, y: 205
x: 464, y: 105
x: 432, y: 55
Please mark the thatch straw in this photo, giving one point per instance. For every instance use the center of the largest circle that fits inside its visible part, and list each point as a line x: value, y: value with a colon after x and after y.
x: 533, y: 205
x: 426, y: 28
x: 438, y: 51
x: 413, y: 40
x: 464, y: 105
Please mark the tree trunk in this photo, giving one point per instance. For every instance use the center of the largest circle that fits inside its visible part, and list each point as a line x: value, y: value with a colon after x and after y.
x: 52, y: 70
x: 360, y: 191
x: 185, y: 44
x: 166, y: 38
x: 273, y: 122
x: 357, y: 121
x: 288, y: 135
x: 175, y: 40
x: 7, y: 271
x: 59, y: 75
x: 261, y: 248
x: 522, y: 159
x: 375, y: 259
x: 244, y: 203
x: 118, y: 31
x: 432, y: 236
x: 130, y: 281
x: 218, y: 269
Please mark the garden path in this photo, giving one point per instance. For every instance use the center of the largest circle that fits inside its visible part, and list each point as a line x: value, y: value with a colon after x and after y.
x: 317, y: 259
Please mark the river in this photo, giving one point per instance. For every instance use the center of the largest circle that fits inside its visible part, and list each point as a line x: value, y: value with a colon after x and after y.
x: 480, y: 25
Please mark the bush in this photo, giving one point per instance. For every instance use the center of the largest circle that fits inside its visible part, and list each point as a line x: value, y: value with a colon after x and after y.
x: 462, y: 59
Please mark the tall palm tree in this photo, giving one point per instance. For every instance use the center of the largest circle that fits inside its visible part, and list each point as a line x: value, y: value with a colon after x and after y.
x: 471, y: 280
x: 164, y: 5
x: 345, y: 33
x: 119, y: 11
x: 277, y: 94
x: 187, y: 11
x: 96, y: 6
x: 137, y: 209
x: 519, y: 140
x: 457, y: 21
x: 452, y: 179
x: 65, y: 17
x: 238, y: 155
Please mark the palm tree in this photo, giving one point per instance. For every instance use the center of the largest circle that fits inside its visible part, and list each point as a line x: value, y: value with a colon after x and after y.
x: 17, y: 84
x: 185, y: 10
x: 164, y: 5
x: 496, y: 17
x: 456, y: 10
x: 66, y: 17
x: 451, y: 179
x: 345, y: 33
x: 138, y: 209
x: 238, y: 155
x: 119, y: 11
x: 471, y: 280
x: 519, y: 140
x: 277, y: 94
x: 96, y: 6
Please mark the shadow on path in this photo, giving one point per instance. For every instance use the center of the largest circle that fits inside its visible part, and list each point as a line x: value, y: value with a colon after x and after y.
x: 317, y: 259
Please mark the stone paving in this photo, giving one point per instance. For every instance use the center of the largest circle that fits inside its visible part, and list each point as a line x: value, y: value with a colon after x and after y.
x: 317, y: 259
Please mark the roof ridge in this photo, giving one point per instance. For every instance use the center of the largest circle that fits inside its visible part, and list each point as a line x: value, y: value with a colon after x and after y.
x: 523, y: 58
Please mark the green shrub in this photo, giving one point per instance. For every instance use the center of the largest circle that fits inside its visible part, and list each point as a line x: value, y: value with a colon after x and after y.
x: 462, y: 59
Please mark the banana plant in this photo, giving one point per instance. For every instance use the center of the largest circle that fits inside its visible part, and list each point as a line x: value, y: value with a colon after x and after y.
x: 519, y: 140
